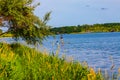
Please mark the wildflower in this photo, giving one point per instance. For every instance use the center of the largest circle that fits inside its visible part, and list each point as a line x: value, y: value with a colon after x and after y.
x: 61, y: 70
x: 56, y: 65
x: 92, y: 74
x: 119, y: 71
x: 52, y: 77
x: 49, y: 66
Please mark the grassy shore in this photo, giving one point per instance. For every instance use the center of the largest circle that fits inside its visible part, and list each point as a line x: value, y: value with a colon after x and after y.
x: 18, y: 62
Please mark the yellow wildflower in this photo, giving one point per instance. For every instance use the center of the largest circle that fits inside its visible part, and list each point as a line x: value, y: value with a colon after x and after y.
x: 92, y: 74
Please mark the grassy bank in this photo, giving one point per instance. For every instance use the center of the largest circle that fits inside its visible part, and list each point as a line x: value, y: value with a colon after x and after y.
x: 18, y: 62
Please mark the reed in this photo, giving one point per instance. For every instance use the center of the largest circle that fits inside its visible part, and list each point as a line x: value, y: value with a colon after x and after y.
x: 18, y: 62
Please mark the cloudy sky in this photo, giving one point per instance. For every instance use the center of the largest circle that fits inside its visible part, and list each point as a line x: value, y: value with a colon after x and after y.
x: 78, y: 12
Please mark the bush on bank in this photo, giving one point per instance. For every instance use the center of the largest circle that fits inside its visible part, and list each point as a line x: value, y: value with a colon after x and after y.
x: 18, y: 62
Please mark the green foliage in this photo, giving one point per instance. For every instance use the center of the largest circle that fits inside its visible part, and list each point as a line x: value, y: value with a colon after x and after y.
x: 66, y: 29
x: 0, y: 31
x: 107, y: 27
x: 22, y: 22
x: 18, y: 62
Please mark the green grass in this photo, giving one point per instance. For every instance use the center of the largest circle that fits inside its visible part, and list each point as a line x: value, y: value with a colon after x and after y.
x: 18, y: 62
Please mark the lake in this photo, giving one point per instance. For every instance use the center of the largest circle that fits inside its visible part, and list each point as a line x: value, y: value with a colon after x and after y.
x: 99, y: 50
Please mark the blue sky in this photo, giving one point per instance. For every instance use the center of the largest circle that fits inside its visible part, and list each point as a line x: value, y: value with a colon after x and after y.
x: 78, y: 12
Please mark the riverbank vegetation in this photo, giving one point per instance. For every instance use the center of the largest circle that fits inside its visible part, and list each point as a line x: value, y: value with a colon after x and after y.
x: 106, y: 27
x: 18, y: 62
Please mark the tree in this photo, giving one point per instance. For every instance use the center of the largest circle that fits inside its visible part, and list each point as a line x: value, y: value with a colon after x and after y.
x: 21, y: 21
x: 0, y: 31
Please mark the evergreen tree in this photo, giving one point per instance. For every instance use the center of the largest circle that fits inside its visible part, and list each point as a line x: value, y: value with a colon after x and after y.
x: 21, y: 21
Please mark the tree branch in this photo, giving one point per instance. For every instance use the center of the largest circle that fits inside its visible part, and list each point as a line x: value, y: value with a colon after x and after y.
x: 4, y: 33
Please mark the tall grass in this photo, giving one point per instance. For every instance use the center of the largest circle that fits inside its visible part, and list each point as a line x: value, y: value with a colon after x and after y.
x: 18, y: 62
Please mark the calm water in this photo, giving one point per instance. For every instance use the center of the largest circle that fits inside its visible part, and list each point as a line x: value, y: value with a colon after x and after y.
x: 100, y: 50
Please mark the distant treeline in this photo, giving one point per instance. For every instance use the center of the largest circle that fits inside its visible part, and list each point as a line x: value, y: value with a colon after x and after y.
x: 106, y: 27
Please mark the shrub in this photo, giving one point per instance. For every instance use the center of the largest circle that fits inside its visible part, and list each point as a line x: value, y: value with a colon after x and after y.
x: 18, y: 62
